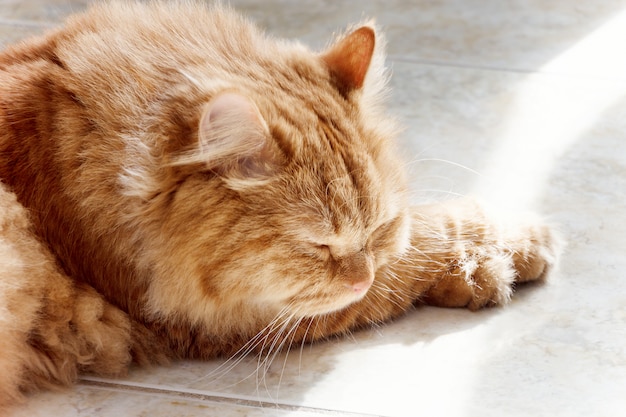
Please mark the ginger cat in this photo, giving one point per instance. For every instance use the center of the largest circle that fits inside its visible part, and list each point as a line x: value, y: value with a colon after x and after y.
x: 176, y: 184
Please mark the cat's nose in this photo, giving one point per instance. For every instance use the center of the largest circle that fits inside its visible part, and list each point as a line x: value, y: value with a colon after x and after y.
x: 360, y: 286
x: 357, y: 271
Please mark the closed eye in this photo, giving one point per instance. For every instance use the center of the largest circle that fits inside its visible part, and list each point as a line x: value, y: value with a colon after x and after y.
x: 320, y: 251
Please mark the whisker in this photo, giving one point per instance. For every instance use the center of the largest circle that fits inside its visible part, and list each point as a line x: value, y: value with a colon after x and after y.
x: 415, y: 192
x: 445, y: 161
x: 264, y: 362
x: 246, y: 349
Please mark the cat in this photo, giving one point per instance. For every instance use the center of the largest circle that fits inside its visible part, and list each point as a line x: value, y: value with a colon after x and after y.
x: 177, y: 184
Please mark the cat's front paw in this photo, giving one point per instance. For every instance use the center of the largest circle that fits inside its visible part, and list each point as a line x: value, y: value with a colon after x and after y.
x: 534, y: 251
x: 483, y: 272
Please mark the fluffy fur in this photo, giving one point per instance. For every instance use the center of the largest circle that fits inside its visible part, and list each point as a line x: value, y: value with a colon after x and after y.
x: 177, y: 184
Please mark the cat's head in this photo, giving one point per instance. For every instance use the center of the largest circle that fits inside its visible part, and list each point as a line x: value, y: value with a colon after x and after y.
x: 289, y: 196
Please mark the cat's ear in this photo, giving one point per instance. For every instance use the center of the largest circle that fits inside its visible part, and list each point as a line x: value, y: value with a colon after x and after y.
x: 349, y: 59
x: 232, y: 138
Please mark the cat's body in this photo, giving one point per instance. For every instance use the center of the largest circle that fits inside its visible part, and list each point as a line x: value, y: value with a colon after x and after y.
x: 212, y: 185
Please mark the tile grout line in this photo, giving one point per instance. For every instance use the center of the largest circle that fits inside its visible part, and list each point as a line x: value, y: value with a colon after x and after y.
x: 493, y: 68
x: 28, y: 23
x: 197, y: 395
x: 442, y: 63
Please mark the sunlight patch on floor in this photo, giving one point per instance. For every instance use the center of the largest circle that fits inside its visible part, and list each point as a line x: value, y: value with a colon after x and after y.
x: 549, y: 113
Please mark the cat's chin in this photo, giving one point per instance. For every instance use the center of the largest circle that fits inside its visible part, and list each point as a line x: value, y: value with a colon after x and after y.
x: 324, y: 306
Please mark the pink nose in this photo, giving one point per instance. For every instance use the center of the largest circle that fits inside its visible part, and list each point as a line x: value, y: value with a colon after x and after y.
x: 360, y: 286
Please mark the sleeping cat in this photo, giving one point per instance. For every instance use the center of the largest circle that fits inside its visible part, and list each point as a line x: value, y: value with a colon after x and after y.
x: 178, y: 185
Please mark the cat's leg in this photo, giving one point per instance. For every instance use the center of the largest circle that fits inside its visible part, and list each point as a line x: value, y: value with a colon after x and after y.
x: 481, y: 256
x: 50, y: 327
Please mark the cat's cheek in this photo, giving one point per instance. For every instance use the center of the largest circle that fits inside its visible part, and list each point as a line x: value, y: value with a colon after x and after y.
x: 402, y: 236
x: 391, y: 240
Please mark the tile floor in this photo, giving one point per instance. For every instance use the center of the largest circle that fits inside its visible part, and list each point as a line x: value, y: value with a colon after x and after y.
x: 520, y: 102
